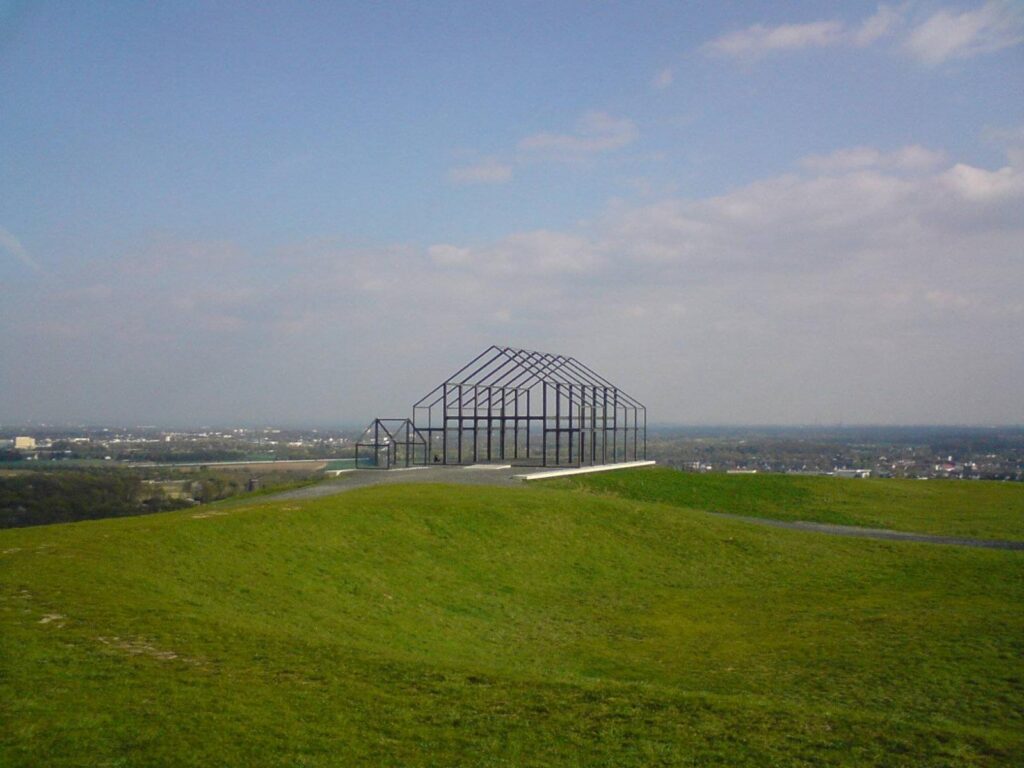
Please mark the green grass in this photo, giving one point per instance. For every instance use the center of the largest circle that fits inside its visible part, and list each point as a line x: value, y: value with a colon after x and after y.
x: 439, y: 625
x: 979, y: 509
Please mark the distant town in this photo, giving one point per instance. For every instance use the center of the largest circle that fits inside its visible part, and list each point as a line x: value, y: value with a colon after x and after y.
x: 149, y: 445
x: 968, y: 453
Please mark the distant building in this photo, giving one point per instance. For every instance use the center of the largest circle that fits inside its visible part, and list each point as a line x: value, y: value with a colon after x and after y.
x: 24, y: 443
x: 851, y: 472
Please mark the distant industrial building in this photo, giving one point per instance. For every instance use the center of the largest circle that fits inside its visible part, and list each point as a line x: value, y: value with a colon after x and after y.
x: 24, y: 443
x: 852, y: 473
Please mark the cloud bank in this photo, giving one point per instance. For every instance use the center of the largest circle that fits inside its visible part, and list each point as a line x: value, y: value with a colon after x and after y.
x: 869, y: 285
x: 943, y: 35
x: 950, y: 35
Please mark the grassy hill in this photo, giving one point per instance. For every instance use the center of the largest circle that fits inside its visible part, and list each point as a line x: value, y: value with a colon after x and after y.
x: 980, y: 509
x: 442, y: 625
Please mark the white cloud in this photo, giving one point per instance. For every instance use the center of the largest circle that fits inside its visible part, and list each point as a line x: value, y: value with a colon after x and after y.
x: 882, y: 23
x: 595, y: 132
x: 787, y: 223
x: 11, y: 245
x: 915, y: 157
x: 540, y: 252
x: 662, y: 79
x: 949, y: 35
x: 946, y: 34
x: 487, y: 171
x: 758, y: 40
x: 909, y: 158
x: 977, y: 184
x: 449, y: 255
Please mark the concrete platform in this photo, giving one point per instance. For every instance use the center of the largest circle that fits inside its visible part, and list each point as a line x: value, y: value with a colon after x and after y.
x: 552, y: 473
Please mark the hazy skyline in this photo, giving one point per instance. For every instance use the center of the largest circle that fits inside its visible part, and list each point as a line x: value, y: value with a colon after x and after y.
x: 756, y: 213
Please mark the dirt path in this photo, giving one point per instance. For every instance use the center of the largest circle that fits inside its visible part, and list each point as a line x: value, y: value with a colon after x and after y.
x: 361, y: 478
x: 504, y: 477
x: 875, y: 533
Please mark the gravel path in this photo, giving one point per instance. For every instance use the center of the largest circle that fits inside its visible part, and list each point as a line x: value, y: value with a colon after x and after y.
x: 504, y: 477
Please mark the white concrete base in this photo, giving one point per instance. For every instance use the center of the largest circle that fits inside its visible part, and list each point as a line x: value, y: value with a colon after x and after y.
x: 583, y: 470
x: 489, y: 466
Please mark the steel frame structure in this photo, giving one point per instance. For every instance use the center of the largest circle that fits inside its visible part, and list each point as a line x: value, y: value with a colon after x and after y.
x: 525, y: 407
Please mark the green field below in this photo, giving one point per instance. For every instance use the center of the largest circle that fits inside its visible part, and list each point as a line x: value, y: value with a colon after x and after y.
x: 977, y: 509
x: 452, y: 625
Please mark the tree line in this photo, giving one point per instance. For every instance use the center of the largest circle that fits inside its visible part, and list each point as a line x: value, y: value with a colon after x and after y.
x: 39, y: 498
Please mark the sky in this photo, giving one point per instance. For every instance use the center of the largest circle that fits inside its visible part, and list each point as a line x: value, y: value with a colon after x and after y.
x: 312, y: 213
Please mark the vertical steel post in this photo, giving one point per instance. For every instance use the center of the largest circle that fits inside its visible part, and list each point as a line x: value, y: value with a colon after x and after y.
x: 501, y: 451
x: 490, y: 419
x: 568, y: 407
x: 476, y: 419
x: 583, y: 423
x: 544, y: 424
x: 529, y: 421
x: 636, y: 432
x: 515, y: 427
x: 558, y: 424
x: 604, y: 425
x: 593, y: 425
x: 615, y: 426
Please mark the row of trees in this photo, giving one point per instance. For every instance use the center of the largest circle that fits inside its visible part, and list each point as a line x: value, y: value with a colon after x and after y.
x: 60, y: 495
x: 38, y: 498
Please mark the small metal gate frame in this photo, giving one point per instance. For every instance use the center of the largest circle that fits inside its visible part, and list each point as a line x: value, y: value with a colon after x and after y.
x: 396, y: 441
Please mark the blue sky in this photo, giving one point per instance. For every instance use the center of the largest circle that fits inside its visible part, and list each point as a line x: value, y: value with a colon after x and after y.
x: 757, y: 212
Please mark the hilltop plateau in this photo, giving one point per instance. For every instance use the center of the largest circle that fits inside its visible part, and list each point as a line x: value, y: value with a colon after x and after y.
x: 614, y: 620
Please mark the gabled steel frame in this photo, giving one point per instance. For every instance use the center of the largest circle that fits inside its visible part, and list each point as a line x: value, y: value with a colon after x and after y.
x: 529, y: 407
x: 397, y: 439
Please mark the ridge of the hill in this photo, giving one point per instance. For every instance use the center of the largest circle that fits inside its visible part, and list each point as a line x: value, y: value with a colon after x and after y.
x: 970, y: 509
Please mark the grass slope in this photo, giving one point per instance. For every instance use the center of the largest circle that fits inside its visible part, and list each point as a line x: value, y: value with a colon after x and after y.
x: 439, y: 625
x: 982, y: 509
